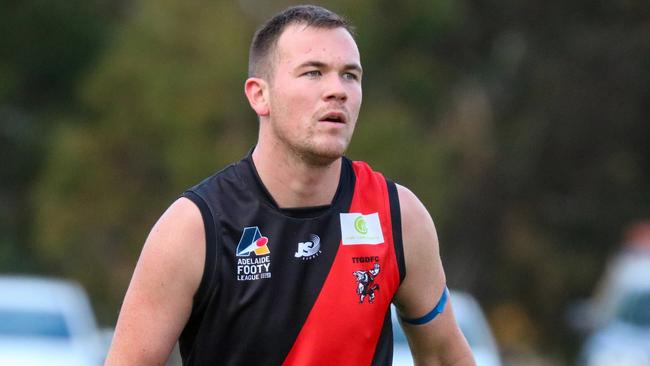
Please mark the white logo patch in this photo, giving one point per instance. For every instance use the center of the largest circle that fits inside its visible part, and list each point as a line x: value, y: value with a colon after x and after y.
x: 309, y: 249
x: 357, y: 229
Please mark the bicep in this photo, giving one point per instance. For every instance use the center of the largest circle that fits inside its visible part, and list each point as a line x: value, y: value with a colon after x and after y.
x: 425, y: 278
x: 438, y: 341
x: 159, y: 299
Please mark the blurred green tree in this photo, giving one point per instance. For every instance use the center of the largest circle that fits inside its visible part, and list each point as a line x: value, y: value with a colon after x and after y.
x: 522, y: 126
x: 45, y: 48
x: 163, y: 108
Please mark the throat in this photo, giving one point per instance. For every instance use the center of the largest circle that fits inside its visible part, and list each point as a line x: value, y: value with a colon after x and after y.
x: 299, y: 185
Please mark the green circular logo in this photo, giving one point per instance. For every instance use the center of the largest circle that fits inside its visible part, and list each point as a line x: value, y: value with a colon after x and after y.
x: 360, y: 225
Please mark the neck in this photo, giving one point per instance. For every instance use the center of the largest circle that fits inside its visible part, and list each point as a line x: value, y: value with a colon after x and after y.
x: 293, y: 182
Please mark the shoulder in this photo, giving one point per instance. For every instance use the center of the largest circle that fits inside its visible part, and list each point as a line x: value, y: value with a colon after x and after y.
x: 410, y: 204
x: 182, y: 216
x: 180, y: 230
x: 180, y: 223
x: 417, y: 225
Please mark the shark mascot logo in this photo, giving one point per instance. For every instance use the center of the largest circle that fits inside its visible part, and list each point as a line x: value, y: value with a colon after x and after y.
x: 366, y: 285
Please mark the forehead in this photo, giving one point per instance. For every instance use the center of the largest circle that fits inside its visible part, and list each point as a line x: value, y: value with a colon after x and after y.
x: 299, y: 43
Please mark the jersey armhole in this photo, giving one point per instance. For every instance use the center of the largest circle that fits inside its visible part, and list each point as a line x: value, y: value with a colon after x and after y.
x: 209, y: 269
x: 396, y: 220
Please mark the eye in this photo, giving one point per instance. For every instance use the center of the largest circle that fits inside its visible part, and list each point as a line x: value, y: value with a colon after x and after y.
x: 312, y: 73
x: 350, y: 76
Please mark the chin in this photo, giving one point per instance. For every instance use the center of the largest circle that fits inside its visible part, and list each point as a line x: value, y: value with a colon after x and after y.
x: 323, y: 156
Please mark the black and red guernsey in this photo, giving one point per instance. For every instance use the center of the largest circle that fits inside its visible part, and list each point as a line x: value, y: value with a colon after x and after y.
x: 305, y: 286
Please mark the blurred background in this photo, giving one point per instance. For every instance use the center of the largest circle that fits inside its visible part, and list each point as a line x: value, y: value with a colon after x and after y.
x: 522, y: 125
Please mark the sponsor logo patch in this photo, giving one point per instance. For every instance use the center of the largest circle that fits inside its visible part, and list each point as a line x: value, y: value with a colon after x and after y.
x: 253, y: 255
x: 359, y: 229
x: 308, y: 249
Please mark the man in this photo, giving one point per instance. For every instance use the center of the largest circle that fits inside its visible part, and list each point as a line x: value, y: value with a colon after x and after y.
x: 259, y: 263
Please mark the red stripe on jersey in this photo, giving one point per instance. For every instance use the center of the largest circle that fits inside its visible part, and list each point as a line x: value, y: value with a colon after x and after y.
x: 340, y: 330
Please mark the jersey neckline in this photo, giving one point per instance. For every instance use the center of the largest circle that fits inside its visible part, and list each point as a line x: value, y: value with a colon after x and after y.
x: 248, y: 172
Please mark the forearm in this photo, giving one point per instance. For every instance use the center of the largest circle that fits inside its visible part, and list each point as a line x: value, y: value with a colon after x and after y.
x: 464, y: 360
x: 439, y: 342
x: 458, y: 354
x: 123, y: 357
x: 136, y: 342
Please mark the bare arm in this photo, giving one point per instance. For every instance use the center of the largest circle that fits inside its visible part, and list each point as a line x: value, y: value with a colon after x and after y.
x: 440, y: 341
x: 159, y: 299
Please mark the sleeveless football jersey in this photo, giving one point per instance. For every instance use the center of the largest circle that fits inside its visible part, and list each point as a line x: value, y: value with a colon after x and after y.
x: 308, y: 286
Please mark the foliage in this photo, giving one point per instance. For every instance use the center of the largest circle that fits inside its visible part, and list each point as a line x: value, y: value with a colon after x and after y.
x: 45, y: 48
x: 522, y: 126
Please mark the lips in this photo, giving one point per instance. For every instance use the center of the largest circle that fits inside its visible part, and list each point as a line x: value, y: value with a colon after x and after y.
x: 334, y: 117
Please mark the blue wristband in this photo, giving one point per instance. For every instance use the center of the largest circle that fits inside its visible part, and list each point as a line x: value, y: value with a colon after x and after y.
x: 433, y: 313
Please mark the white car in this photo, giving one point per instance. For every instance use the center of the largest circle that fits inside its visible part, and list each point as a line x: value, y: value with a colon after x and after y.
x: 624, y: 340
x: 628, y: 271
x: 473, y: 325
x: 47, y: 322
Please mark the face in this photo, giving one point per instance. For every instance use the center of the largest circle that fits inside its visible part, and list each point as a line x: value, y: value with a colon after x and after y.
x: 314, y: 92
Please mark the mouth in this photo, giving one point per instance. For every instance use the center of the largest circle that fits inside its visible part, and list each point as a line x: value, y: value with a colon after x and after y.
x: 334, y: 117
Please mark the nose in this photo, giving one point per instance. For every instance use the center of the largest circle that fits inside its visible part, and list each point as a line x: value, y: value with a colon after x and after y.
x: 335, y: 89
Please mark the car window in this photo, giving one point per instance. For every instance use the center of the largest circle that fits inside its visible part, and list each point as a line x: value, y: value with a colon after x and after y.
x: 471, y: 333
x: 20, y: 323
x: 635, y: 308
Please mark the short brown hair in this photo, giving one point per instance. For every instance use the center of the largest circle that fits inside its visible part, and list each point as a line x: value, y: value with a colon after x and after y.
x: 266, y: 37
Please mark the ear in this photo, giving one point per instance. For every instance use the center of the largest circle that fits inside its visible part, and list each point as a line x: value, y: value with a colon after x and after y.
x: 256, y: 90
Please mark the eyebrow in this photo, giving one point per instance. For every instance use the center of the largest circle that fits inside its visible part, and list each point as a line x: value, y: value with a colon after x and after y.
x: 319, y: 64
